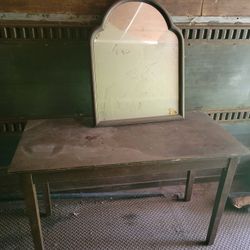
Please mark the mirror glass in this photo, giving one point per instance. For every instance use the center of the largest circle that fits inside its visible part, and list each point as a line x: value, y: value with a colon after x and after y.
x: 135, y: 66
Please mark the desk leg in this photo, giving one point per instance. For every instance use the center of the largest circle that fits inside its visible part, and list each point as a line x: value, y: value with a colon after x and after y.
x: 32, y: 209
x: 223, y: 190
x: 189, y: 185
x: 47, y: 199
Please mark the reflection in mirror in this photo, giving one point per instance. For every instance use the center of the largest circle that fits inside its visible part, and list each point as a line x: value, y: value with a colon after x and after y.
x: 136, y: 66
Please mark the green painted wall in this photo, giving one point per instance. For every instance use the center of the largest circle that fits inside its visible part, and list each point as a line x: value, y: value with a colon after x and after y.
x: 40, y: 79
x: 217, y: 76
x: 43, y: 79
x: 53, y: 78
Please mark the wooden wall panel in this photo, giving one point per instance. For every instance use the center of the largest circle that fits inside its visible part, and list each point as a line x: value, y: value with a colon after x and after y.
x: 226, y: 8
x: 90, y: 7
x: 182, y: 7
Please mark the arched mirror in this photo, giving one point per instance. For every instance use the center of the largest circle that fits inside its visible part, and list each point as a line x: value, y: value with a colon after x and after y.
x: 137, y: 65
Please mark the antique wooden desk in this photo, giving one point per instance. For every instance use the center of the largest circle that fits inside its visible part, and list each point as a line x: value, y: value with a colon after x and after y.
x: 57, y: 150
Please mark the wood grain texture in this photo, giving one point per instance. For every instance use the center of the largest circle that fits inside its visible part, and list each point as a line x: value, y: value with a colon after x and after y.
x: 129, y: 174
x: 221, y: 198
x: 226, y: 8
x: 47, y: 199
x: 89, y: 7
x: 189, y: 185
x: 182, y: 7
x: 32, y: 210
x: 67, y: 144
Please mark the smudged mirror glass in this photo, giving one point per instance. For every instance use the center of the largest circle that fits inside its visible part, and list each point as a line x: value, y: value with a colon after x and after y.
x: 137, y: 65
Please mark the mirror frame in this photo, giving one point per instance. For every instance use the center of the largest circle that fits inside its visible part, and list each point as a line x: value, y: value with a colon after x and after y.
x: 178, y: 33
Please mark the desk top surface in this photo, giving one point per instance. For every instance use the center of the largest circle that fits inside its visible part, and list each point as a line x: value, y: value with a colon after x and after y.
x: 49, y: 145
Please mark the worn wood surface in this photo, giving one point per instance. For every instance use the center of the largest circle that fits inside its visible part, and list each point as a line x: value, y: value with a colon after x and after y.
x: 226, y: 8
x: 58, y: 150
x: 221, y: 198
x: 182, y: 7
x: 56, y: 6
x: 48, y: 145
x: 89, y: 7
x: 189, y: 185
x: 128, y: 174
x: 47, y: 199
x: 223, y: 189
x: 32, y: 210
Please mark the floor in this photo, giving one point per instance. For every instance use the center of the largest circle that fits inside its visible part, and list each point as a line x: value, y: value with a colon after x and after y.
x: 156, y: 222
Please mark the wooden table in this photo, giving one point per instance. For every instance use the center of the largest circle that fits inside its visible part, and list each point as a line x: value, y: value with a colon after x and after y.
x: 65, y: 149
